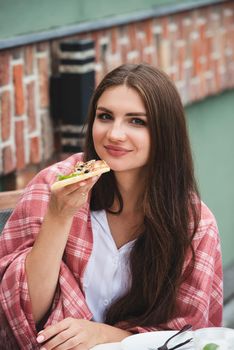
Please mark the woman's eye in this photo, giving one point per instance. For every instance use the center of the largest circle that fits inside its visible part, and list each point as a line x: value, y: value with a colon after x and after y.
x: 104, y: 116
x: 138, y: 121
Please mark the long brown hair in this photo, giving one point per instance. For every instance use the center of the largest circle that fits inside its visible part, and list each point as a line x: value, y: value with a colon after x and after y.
x: 158, y: 255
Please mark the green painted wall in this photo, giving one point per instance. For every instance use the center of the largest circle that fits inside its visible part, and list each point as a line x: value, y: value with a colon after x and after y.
x: 18, y: 17
x: 211, y: 125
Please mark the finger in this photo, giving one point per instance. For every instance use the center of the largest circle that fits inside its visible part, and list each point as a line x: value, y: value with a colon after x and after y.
x: 71, y: 343
x: 63, y: 340
x: 80, y: 193
x: 84, y: 187
x: 52, y: 331
x: 67, y: 190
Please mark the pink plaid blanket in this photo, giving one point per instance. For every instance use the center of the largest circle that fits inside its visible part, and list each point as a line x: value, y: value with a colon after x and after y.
x: 199, y: 299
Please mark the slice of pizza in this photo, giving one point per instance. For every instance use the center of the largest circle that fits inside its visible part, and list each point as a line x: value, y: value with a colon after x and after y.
x: 81, y: 171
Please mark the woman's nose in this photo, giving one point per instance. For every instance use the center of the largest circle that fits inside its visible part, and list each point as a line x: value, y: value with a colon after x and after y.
x: 117, y: 132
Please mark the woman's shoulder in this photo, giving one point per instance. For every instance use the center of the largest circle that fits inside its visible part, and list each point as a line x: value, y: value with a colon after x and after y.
x: 207, y: 216
x: 35, y: 197
x: 65, y: 164
x: 207, y: 228
x: 49, y: 174
x: 206, y: 239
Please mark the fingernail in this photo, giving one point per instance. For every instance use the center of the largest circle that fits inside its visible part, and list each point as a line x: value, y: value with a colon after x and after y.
x: 40, y: 339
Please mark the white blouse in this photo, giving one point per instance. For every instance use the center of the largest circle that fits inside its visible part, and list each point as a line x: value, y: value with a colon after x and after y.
x: 107, y: 275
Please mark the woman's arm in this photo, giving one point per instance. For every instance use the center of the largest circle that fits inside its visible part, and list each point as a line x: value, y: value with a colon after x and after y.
x: 43, y: 261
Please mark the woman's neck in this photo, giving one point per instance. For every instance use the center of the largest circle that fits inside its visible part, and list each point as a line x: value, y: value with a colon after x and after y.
x: 131, y: 187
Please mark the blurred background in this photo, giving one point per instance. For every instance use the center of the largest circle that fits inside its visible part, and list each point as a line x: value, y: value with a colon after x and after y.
x: 54, y: 52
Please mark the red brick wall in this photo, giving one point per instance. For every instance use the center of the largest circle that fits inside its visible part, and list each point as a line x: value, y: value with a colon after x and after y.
x: 24, y: 107
x: 196, y: 48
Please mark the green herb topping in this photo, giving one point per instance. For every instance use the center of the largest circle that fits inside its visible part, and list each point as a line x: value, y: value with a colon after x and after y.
x: 211, y: 346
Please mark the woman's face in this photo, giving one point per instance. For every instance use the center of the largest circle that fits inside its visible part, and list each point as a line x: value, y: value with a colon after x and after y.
x: 120, y: 131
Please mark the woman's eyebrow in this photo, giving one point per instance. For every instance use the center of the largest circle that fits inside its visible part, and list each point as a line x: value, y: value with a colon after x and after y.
x: 103, y: 109
x: 130, y: 114
x: 136, y: 114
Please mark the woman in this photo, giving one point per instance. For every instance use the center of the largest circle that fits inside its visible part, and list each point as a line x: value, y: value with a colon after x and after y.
x: 132, y: 251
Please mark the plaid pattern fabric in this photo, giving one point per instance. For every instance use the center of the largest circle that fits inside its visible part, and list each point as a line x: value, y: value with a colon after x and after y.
x: 199, y: 300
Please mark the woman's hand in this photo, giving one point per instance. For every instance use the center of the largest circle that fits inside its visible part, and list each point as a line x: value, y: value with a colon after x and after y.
x: 70, y: 333
x: 79, y: 334
x: 64, y: 202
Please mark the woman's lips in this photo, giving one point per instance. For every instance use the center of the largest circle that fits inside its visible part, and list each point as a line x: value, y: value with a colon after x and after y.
x: 116, y: 151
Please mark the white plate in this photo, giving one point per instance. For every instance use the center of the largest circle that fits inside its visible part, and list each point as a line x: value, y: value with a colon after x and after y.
x: 224, y: 337
x: 153, y: 340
